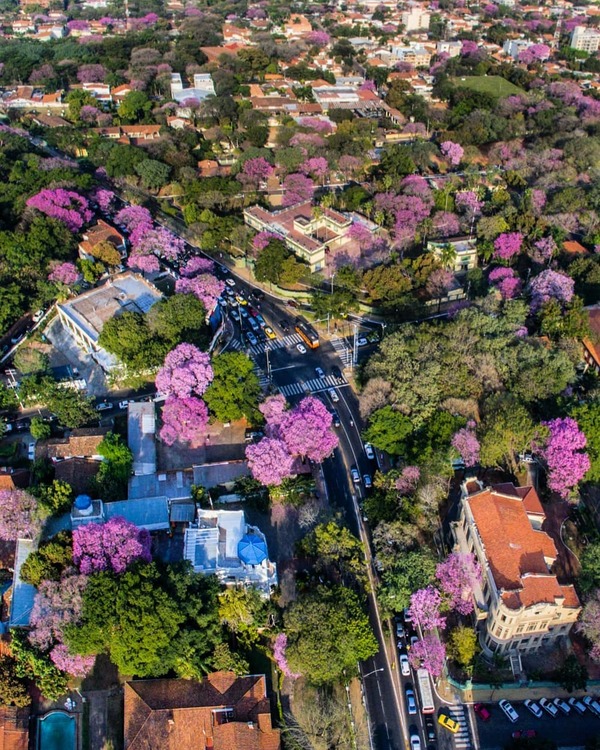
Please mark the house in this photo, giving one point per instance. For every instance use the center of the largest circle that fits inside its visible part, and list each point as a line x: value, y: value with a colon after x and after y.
x: 14, y: 728
x: 101, y: 232
x: 297, y: 26
x: 514, y: 47
x: 151, y: 513
x: 202, y: 88
x: 14, y: 479
x: 141, y: 429
x: 84, y: 316
x: 591, y: 345
x: 133, y: 134
x: 221, y: 543
x: 585, y: 39
x: 82, y: 442
x: 77, y: 472
x: 520, y: 605
x: 572, y: 247
x: 221, y: 712
x: 463, y: 249
x: 23, y: 594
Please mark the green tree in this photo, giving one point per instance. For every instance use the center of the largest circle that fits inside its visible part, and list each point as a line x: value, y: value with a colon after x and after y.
x: 49, y: 561
x: 72, y: 408
x: 179, y: 318
x: 55, y: 497
x: 235, y: 390
x: 13, y: 688
x: 507, y: 430
x: 462, y: 645
x: 270, y: 262
x: 76, y: 99
x: 328, y: 633
x: 572, y: 675
x: 558, y: 321
x: 122, y: 160
x: 241, y: 611
x: 589, y: 578
x: 154, y: 174
x: 106, y: 253
x: 388, y: 429
x: 336, y: 553
x: 115, y: 471
x: 226, y: 660
x: 134, y: 107
x: 387, y: 283
x: 335, y: 305
x: 31, y: 664
x: 412, y: 571
x: 588, y: 419
x: 39, y: 429
x: 129, y: 338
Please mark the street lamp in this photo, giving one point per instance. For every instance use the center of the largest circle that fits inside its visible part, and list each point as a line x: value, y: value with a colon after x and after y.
x: 381, y: 669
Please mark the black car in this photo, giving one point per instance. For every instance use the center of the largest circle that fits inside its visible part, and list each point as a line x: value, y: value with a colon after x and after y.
x: 430, y: 729
x: 336, y: 419
x: 284, y: 326
x: 22, y: 425
x: 336, y: 372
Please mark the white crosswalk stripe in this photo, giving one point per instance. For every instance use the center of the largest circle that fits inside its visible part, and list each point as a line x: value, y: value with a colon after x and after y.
x: 342, y: 349
x: 462, y: 739
x: 314, y: 386
x: 263, y: 380
x: 273, y: 344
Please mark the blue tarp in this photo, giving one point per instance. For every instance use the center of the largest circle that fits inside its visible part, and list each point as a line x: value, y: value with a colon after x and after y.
x: 252, y: 550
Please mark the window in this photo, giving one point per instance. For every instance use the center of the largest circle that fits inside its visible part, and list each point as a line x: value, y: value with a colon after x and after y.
x: 532, y: 627
x: 520, y: 628
x: 502, y: 618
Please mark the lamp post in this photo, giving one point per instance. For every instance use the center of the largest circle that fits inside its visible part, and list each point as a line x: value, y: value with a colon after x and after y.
x: 374, y: 671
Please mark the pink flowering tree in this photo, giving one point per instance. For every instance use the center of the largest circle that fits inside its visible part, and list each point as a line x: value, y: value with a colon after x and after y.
x: 104, y: 199
x: 206, y: 287
x: 262, y: 239
x: 18, y: 515
x: 544, y: 249
x: 566, y: 461
x: 186, y: 372
x: 197, y: 265
x: 506, y: 281
x: 548, y: 285
x: 64, y: 273
x: 458, y: 576
x: 91, y: 73
x: 306, y: 430
x: 73, y: 664
x: 274, y: 409
x: 316, y: 167
x: 408, y: 480
x: 445, y: 224
x: 430, y: 654
x: 425, y: 608
x: 184, y: 419
x: 255, y: 171
x: 114, y: 545
x: 133, y: 216
x: 453, y: 152
x: 467, y: 446
x: 439, y: 282
x: 350, y: 166
x: 64, y: 205
x: 89, y: 114
x: 157, y: 241
x: 589, y: 623
x: 535, y: 53
x: 316, y: 123
x: 507, y: 245
x: 318, y: 38
x: 269, y: 461
x: 537, y: 199
x: 360, y: 234
x: 279, y: 648
x: 143, y: 263
x: 468, y: 201
x: 297, y: 189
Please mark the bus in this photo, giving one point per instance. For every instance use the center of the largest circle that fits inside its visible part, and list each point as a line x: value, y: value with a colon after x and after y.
x: 307, y: 333
x: 425, y: 691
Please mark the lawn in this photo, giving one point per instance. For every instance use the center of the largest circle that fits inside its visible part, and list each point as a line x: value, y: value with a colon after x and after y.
x: 494, y: 85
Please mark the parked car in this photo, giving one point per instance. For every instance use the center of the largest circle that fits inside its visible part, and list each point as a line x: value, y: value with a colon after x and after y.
x: 510, y: 712
x: 430, y: 734
x: 104, y: 406
x: 399, y: 629
x: 577, y: 705
x: 415, y: 740
x: 524, y: 734
x: 301, y: 348
x: 562, y: 706
x: 37, y: 316
x: 411, y: 703
x: 549, y: 707
x: 407, y: 617
x: 369, y: 451
x: 320, y: 372
x: 482, y: 712
x: 533, y: 707
x: 413, y: 640
x: 449, y: 723
x: 592, y: 704
x: 31, y: 451
x: 252, y: 338
x: 333, y: 395
x: 230, y: 282
x: 124, y: 404
x: 362, y: 341
x: 355, y: 475
x: 367, y: 481
x: 404, y: 664
x: 22, y: 425
x: 284, y: 326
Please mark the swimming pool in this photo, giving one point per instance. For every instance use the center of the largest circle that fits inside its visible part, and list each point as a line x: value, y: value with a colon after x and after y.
x: 56, y: 731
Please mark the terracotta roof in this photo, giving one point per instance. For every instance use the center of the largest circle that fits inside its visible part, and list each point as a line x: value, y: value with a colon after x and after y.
x: 82, y: 442
x: 574, y: 248
x: 77, y: 472
x: 14, y: 728
x: 591, y: 344
x: 223, y: 712
x: 10, y: 480
x: 516, y: 552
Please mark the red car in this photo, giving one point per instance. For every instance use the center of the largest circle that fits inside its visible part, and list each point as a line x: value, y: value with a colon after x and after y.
x: 524, y: 734
x: 482, y: 712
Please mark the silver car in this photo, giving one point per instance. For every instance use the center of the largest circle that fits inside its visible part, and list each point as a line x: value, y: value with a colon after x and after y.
x: 508, y: 710
x: 548, y: 707
x: 534, y: 708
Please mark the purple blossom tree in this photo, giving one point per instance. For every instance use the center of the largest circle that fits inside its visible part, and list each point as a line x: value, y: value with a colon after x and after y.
x: 589, y: 623
x: 458, y: 576
x: 506, y: 281
x: 306, y: 430
x: 454, y: 152
x: 274, y: 409
x: 206, y: 287
x: 64, y: 205
x: 184, y: 419
x: 197, y: 265
x: 469, y: 202
x: 133, y: 216
x: 507, y: 245
x: 279, y: 648
x: 414, y: 184
x: 269, y: 461
x: 298, y: 188
x: 445, y: 224
x: 186, y: 372
x: 438, y: 283
x: 360, y: 234
x: 159, y: 241
x: 262, y: 239
x: 324, y: 127
x: 544, y: 249
x: 563, y: 453
x: 18, y: 515
x: 255, y: 171
x: 56, y: 604
x: 350, y: 166
x: 535, y: 53
x: 465, y: 442
x: 113, y: 545
x: 64, y: 273
x: 316, y: 167
x: 104, y: 199
x: 143, y: 263
x: 91, y: 73
x: 430, y: 654
x: 408, y: 480
x: 548, y: 285
x: 425, y: 608
x: 318, y: 38
x: 73, y: 664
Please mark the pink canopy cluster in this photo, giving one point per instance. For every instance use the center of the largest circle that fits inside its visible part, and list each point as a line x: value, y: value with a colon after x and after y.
x: 425, y: 608
x: 458, y: 576
x: 206, y: 287
x: 548, y: 285
x: 263, y: 238
x: 197, y: 265
x: 316, y: 167
x: 506, y: 281
x: 507, y: 245
x: 64, y: 273
x: 469, y: 202
x: 465, y: 442
x: 184, y: 419
x: 104, y: 199
x: 318, y: 38
x: 255, y: 171
x: 454, y: 152
x: 186, y: 372
x: 297, y: 189
x: 91, y: 73
x: 64, y: 205
x: 408, y: 480
x: 18, y: 515
x: 564, y: 455
x: 279, y: 648
x: 534, y: 53
x: 113, y: 545
x: 430, y: 654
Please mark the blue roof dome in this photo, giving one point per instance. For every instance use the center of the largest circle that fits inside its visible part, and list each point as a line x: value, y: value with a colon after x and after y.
x: 252, y: 550
x: 82, y: 502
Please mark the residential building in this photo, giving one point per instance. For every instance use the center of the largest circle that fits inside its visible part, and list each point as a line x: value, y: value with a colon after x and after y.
x: 221, y: 543
x: 151, y: 513
x: 585, y: 39
x: 141, y: 429
x: 520, y: 605
x: 203, y: 87
x: 310, y: 235
x: 297, y: 26
x: 82, y: 442
x: 458, y: 254
x: 514, y: 47
x: 84, y: 316
x: 450, y: 48
x: 14, y: 727
x: 133, y: 134
x: 221, y: 712
x: 415, y: 18
x: 591, y: 345
x: 101, y: 232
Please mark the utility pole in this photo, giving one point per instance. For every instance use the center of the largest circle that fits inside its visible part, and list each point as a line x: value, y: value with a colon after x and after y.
x: 355, y: 347
x: 267, y: 350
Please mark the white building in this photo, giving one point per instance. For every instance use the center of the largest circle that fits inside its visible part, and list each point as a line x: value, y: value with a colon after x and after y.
x: 221, y: 543
x: 584, y: 39
x: 203, y: 87
x: 514, y: 47
x: 450, y: 48
x: 415, y: 19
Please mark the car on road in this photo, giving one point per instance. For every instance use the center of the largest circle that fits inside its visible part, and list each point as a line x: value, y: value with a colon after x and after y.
x: 415, y: 740
x: 355, y: 475
x: 562, y: 706
x: 252, y: 338
x: 283, y: 324
x: 367, y: 481
x: 222, y: 302
x: 235, y: 315
x: 411, y: 703
x: 510, y: 712
x: 534, y: 708
x: 333, y: 395
x: 291, y: 303
x: 430, y: 734
x: 362, y: 341
x: 589, y: 701
x: 337, y: 373
x: 320, y: 372
x: 240, y: 300
x: 548, y: 707
x: 16, y: 339
x: 449, y: 723
x: 124, y: 404
x: 104, y: 406
x: 31, y: 451
x: 404, y: 664
x: 524, y: 734
x: 413, y: 640
x: 269, y: 332
x: 369, y: 451
x: 335, y: 419
x: 406, y: 615
x: 254, y: 325
x: 482, y: 711
x: 244, y: 313
x: 301, y: 348
x: 38, y: 316
x: 577, y: 705
x: 399, y: 629
x: 230, y: 282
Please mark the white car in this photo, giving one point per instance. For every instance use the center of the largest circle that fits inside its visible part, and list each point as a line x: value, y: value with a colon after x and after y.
x: 362, y: 341
x: 548, y: 707
x: 415, y: 741
x: 38, y: 316
x: 124, y: 404
x: 31, y: 451
x: 592, y: 704
x: 562, y: 706
x: 510, y: 712
x: 355, y: 475
x: 320, y: 372
x: 404, y: 665
x: 301, y: 348
x: 368, y: 482
x: 230, y: 282
x: 369, y: 451
x: 104, y: 406
x: 534, y: 708
x: 577, y: 705
x: 333, y: 395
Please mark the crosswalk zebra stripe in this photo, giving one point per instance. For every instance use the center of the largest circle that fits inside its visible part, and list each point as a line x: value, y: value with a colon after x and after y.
x: 314, y: 386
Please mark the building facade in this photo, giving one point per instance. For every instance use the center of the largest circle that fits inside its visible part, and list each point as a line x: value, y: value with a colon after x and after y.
x: 585, y: 39
x: 520, y: 605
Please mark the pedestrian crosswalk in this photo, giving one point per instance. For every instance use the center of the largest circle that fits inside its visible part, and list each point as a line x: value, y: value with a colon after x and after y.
x: 342, y: 349
x: 258, y: 349
x: 263, y: 380
x: 462, y: 739
x: 312, y: 386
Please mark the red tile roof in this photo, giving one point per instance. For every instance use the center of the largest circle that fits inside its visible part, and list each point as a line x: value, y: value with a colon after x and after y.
x: 592, y: 344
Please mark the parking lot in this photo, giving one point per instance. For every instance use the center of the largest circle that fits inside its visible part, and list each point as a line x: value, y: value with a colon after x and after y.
x: 567, y: 731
